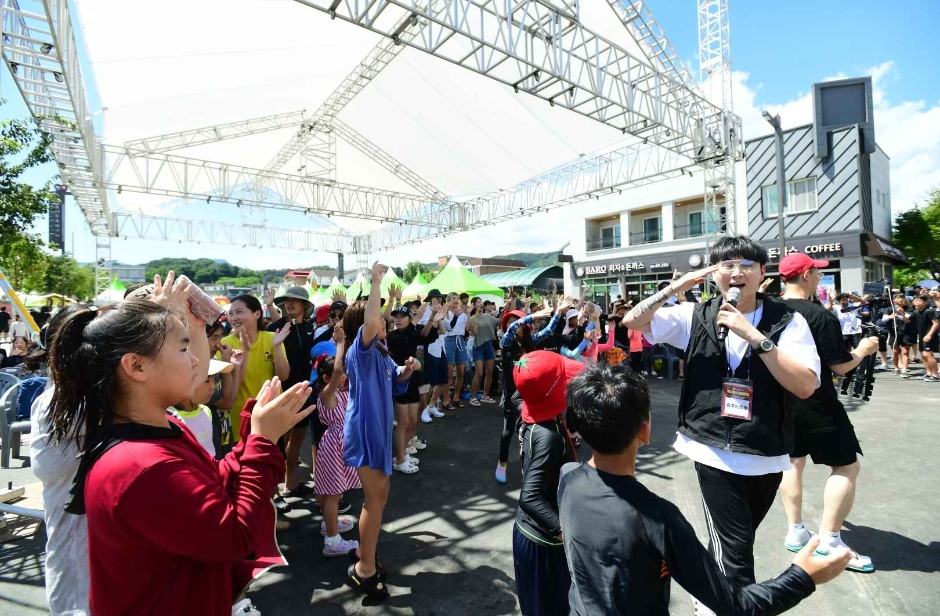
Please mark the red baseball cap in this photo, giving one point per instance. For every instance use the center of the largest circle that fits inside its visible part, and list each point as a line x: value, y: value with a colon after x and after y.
x: 794, y: 265
x: 511, y: 313
x: 323, y: 313
x: 541, y: 378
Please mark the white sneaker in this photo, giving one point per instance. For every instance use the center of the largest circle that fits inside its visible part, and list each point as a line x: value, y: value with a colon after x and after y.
x: 339, y: 548
x: 411, y: 449
x: 796, y: 540
x: 418, y: 443
x: 434, y: 412
x: 343, y: 525
x: 426, y: 415
x: 858, y: 563
x: 406, y: 467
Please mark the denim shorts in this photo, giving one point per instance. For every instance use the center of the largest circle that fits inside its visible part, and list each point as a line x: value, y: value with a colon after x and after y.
x: 455, y: 348
x: 484, y: 352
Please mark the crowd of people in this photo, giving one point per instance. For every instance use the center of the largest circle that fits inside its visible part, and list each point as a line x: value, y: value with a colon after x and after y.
x: 162, y: 435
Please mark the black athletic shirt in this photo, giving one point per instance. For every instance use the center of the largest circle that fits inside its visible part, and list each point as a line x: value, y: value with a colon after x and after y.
x: 297, y: 347
x: 923, y: 320
x: 624, y: 544
x: 819, y: 410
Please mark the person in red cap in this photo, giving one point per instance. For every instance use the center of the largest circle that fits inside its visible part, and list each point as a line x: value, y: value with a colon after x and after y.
x: 821, y: 426
x: 542, y: 578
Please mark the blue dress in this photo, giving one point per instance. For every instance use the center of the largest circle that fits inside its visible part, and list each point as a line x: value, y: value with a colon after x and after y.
x: 373, y: 380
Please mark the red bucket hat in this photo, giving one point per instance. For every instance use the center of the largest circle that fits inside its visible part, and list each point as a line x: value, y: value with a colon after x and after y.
x: 541, y: 378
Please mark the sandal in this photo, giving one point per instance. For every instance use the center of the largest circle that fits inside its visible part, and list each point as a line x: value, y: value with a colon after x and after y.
x: 474, y: 402
x: 373, y: 587
x: 450, y: 406
x: 379, y: 569
x: 281, y: 505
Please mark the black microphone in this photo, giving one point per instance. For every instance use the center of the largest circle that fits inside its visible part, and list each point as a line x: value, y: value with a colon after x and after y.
x: 731, y: 297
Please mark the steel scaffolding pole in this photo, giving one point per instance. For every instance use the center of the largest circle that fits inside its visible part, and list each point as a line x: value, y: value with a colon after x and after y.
x: 218, y: 132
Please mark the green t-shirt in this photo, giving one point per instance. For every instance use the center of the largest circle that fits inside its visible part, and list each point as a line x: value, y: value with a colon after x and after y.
x: 486, y: 328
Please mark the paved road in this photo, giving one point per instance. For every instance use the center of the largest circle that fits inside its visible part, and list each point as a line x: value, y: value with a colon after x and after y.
x: 447, y: 533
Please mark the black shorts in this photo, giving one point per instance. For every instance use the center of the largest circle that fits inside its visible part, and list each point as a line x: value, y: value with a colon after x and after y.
x: 837, y: 446
x: 903, y: 340
x: 411, y: 396
x: 318, y: 429
x: 928, y: 347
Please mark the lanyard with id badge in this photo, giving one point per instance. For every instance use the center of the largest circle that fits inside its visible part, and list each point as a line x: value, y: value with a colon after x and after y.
x: 737, y: 395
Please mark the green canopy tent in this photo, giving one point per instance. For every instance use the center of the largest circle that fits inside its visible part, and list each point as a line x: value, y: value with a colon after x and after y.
x: 455, y: 278
x: 333, y: 288
x: 360, y: 286
x: 115, y: 293
x: 388, y: 280
x: 418, y: 286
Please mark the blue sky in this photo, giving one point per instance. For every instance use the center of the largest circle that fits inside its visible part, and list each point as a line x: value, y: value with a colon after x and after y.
x: 782, y: 47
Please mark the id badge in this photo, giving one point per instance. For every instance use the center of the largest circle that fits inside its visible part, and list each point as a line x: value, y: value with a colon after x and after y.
x: 737, y: 398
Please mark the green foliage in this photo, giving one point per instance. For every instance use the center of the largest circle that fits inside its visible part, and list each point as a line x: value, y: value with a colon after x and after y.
x: 917, y: 233
x: 23, y: 262
x: 63, y: 275
x: 532, y: 259
x: 240, y: 281
x: 212, y: 271
x: 411, y: 270
x: 22, y: 147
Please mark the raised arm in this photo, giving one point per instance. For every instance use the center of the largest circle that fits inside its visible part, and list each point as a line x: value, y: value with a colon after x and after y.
x: 328, y: 394
x: 373, y: 320
x: 641, y: 315
x: 273, y: 310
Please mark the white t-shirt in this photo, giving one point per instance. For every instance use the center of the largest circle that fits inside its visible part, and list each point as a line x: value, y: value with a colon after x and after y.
x: 848, y: 320
x: 674, y: 326
x: 436, y: 348
x: 18, y: 329
x: 319, y: 331
x: 55, y: 464
x: 460, y: 327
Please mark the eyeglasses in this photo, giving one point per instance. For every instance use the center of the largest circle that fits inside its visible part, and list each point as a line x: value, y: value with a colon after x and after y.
x: 336, y: 315
x: 745, y: 265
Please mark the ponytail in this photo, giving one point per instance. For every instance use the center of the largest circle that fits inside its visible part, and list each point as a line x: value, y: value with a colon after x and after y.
x: 85, y: 351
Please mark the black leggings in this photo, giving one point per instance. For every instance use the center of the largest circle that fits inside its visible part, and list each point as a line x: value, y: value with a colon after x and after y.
x: 510, y: 423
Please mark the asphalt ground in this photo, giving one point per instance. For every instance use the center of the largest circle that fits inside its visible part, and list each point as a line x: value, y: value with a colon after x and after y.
x: 446, y: 537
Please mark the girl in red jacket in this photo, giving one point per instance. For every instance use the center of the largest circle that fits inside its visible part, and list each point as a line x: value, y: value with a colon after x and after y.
x: 169, y: 528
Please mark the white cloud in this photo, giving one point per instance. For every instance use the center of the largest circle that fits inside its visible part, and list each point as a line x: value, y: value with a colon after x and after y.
x: 906, y: 130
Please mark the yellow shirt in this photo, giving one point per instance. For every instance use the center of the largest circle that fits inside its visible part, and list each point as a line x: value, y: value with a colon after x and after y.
x: 260, y: 368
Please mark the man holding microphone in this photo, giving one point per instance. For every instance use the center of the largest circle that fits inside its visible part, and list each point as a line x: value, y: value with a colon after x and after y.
x: 741, y: 361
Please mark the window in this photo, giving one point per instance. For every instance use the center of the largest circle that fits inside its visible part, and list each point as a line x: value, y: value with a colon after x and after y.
x: 651, y: 229
x: 610, y: 237
x: 801, y: 197
x: 695, y: 224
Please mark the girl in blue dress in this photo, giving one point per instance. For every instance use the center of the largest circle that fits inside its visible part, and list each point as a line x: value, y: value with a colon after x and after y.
x: 373, y: 379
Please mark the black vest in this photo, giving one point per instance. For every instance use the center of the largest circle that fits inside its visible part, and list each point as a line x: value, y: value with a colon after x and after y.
x: 770, y: 431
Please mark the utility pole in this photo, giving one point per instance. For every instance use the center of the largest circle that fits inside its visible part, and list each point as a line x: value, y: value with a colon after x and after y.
x: 781, y: 182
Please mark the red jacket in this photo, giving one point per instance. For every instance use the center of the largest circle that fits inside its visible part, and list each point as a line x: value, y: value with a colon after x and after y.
x: 169, y: 528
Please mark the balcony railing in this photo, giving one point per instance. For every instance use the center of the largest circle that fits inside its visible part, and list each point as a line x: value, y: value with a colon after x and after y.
x: 685, y: 231
x: 603, y: 243
x: 646, y: 237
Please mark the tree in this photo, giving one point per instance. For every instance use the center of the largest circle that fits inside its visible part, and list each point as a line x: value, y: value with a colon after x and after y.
x: 917, y: 233
x: 23, y: 262
x: 63, y: 275
x: 413, y: 269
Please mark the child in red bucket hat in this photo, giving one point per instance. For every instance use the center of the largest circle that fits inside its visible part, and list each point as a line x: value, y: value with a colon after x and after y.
x: 542, y: 578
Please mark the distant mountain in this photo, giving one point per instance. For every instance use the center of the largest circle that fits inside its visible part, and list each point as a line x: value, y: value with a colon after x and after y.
x: 532, y: 259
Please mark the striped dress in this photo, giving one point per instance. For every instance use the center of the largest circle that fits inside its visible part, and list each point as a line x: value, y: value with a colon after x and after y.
x: 331, y: 475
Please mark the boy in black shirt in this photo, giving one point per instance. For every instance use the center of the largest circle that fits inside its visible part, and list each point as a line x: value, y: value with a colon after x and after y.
x: 624, y: 543
x: 927, y: 323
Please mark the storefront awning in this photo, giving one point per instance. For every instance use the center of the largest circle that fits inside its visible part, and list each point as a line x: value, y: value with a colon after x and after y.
x: 520, y: 278
x: 879, y: 247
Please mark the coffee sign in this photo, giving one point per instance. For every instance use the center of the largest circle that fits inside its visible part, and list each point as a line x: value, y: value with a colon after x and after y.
x: 834, y: 249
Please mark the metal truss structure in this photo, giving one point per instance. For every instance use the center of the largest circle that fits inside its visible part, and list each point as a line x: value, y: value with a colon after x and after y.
x: 39, y: 50
x: 139, y: 226
x: 534, y: 46
x: 714, y: 30
x: 211, y: 134
x: 540, y: 47
x: 195, y: 179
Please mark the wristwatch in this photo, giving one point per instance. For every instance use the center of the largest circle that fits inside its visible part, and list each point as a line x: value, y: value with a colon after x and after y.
x: 764, y: 346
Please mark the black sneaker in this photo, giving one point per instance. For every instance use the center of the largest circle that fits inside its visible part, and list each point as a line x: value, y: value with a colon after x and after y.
x: 302, y: 489
x: 281, y: 505
x: 344, y: 507
x: 373, y: 587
